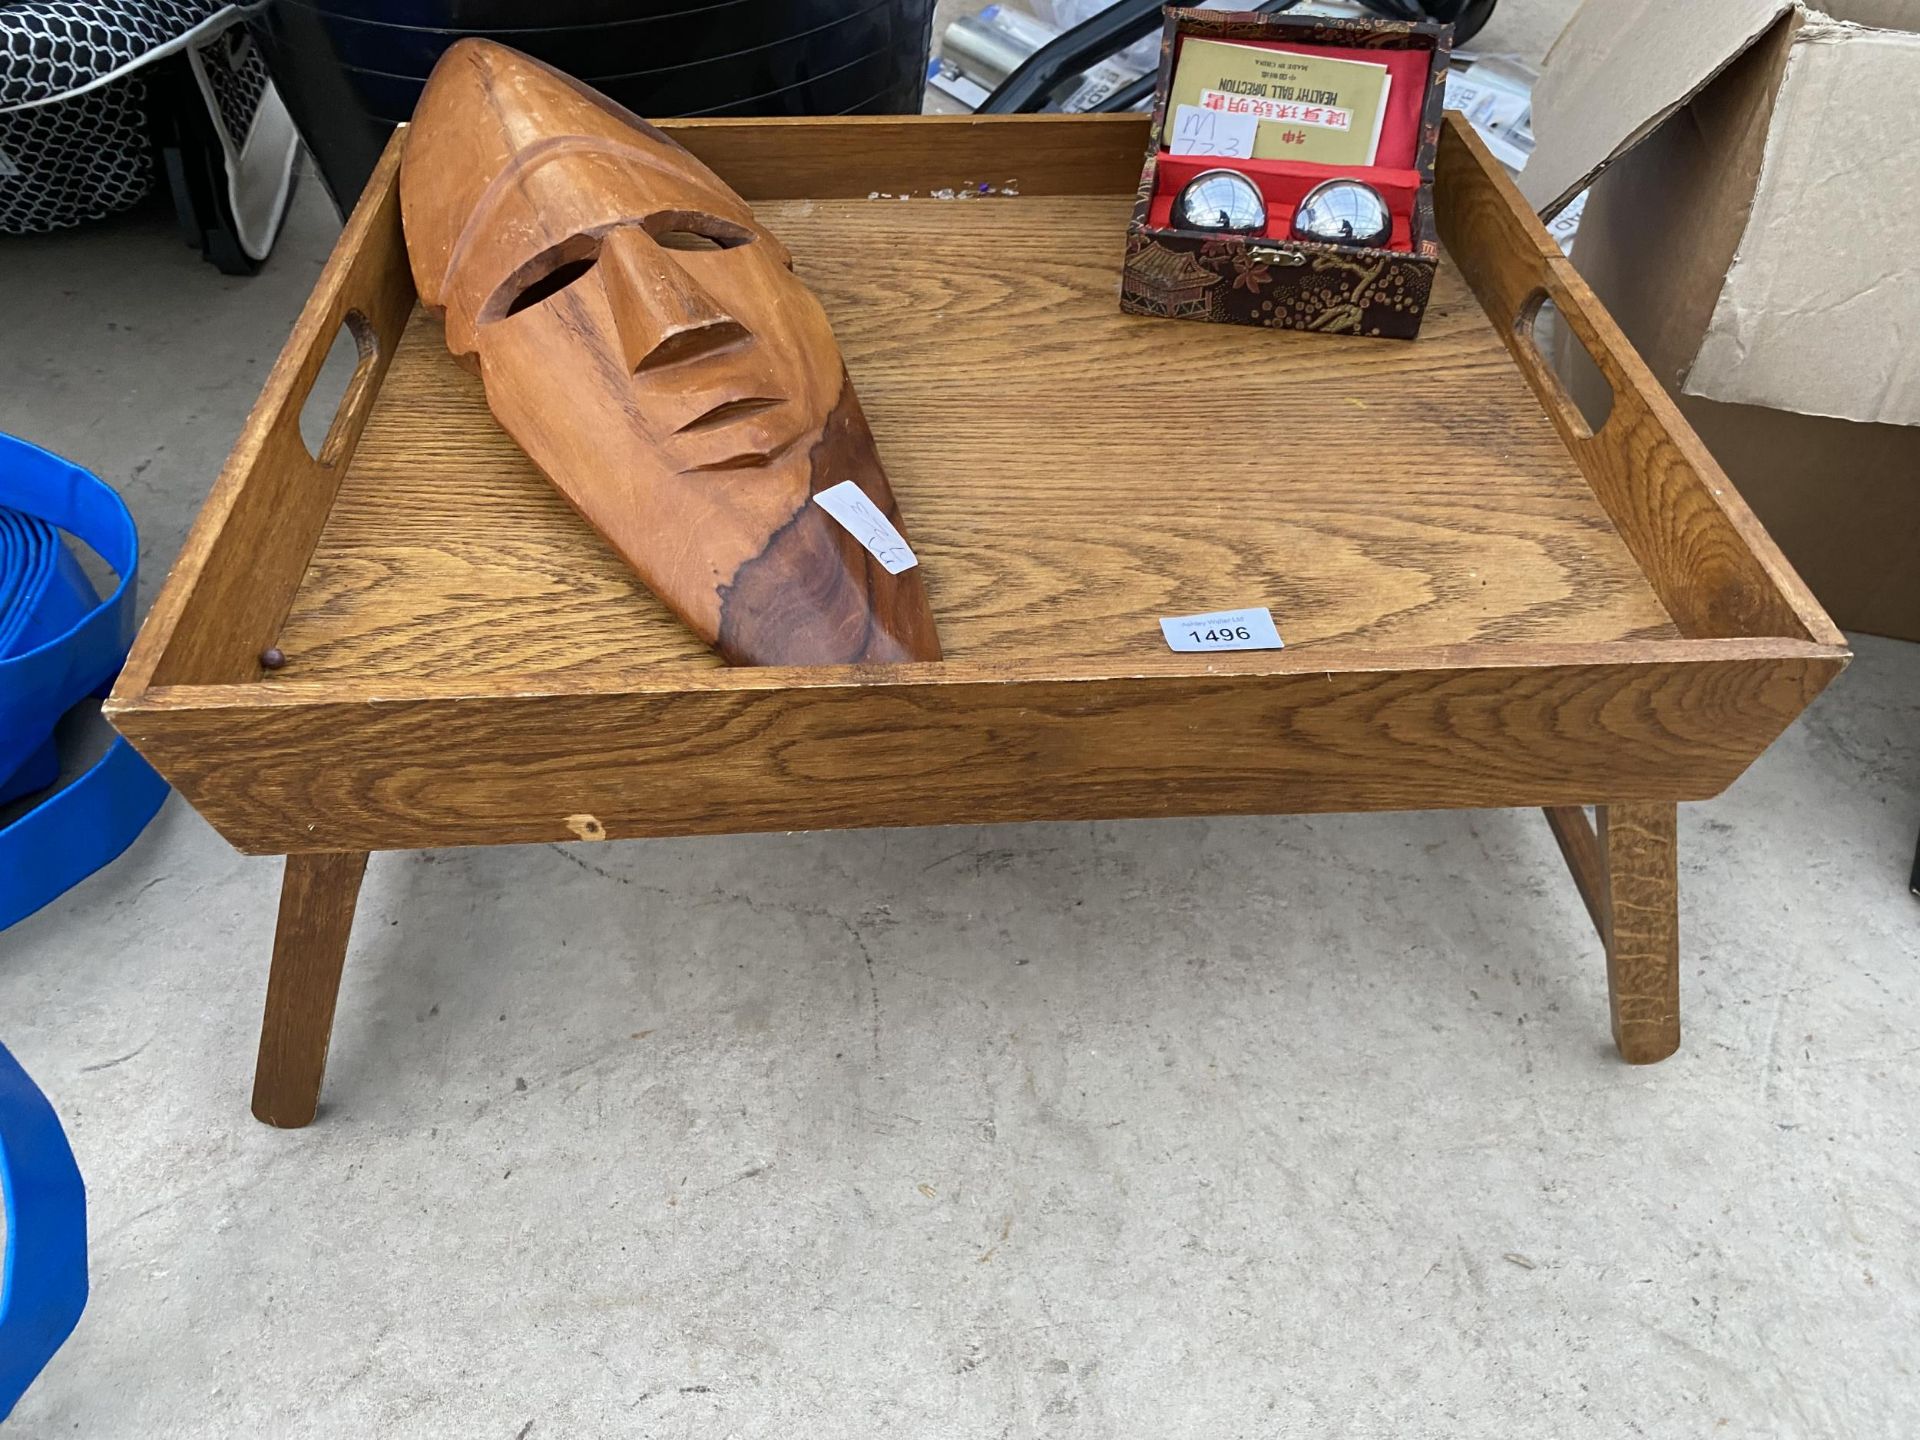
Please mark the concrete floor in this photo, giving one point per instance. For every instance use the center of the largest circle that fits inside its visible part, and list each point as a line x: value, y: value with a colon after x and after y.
x: 1233, y: 1128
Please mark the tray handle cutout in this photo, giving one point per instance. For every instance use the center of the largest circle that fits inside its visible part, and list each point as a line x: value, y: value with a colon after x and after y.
x: 1702, y: 551
x: 243, y: 562
x: 1537, y: 326
x: 341, y: 390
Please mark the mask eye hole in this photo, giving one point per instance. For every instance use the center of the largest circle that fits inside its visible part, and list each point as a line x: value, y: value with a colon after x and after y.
x: 544, y: 276
x: 550, y: 284
x: 686, y: 240
x: 693, y: 231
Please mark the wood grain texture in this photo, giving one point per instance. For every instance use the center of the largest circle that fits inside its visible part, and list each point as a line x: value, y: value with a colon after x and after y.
x: 1706, y: 556
x: 1643, y: 929
x: 1626, y: 870
x: 1071, y: 474
x: 324, y: 766
x: 851, y: 157
x: 469, y: 664
x: 242, y: 562
x: 643, y: 339
x: 1580, y: 848
x: 317, y: 897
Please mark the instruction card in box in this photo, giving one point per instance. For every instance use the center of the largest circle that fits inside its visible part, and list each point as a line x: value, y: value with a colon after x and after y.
x: 1307, y: 107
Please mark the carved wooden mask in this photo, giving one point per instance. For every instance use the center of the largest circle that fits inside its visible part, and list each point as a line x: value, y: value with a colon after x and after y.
x: 644, y: 339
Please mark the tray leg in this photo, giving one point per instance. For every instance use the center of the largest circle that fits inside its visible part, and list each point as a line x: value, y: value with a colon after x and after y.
x: 317, y: 898
x: 1628, y: 873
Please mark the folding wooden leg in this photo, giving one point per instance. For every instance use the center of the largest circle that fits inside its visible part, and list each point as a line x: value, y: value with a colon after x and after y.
x: 317, y: 898
x: 1628, y: 874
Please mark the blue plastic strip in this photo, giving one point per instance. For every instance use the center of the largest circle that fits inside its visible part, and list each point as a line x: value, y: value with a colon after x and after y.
x: 59, y: 643
x: 43, y: 1283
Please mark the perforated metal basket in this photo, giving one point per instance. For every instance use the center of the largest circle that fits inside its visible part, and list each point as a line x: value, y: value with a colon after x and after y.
x: 99, y: 100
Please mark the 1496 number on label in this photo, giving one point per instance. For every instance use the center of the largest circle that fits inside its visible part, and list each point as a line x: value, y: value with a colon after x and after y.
x: 1251, y: 629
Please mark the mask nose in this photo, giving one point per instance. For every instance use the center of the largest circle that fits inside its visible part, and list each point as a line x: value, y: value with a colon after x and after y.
x: 663, y: 314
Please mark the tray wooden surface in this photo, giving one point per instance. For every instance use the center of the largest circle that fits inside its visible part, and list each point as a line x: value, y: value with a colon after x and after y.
x: 1484, y: 602
x: 1068, y: 474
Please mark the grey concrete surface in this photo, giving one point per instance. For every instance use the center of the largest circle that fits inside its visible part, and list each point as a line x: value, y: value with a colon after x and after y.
x: 1232, y: 1128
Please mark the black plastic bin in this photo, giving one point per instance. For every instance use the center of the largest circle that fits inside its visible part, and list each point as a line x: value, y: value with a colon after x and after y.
x: 350, y: 70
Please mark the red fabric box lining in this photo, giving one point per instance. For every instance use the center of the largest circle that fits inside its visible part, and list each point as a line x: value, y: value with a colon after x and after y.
x: 1285, y: 183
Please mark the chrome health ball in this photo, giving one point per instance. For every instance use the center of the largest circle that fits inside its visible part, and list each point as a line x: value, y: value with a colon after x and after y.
x: 1223, y: 200
x: 1344, y: 212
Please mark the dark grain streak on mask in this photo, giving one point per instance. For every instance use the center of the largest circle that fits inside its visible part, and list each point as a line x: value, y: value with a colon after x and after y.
x: 814, y: 595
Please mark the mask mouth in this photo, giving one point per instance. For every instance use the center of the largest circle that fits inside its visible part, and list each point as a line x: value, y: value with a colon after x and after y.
x: 728, y: 411
x: 745, y: 460
x: 739, y: 434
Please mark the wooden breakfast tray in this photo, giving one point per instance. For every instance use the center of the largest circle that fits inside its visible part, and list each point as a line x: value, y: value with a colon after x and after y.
x: 1484, y: 603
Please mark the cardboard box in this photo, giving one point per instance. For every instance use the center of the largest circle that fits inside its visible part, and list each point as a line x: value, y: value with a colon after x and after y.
x: 1269, y: 278
x: 1752, y: 226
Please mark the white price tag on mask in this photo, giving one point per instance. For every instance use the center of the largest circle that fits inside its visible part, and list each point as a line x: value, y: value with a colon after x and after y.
x: 1213, y: 132
x: 867, y: 523
x: 1223, y: 630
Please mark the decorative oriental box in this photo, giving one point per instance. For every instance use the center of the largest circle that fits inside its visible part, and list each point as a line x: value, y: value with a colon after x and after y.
x: 1286, y: 105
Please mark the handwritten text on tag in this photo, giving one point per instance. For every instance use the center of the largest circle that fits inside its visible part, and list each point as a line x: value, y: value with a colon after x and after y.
x: 865, y: 521
x: 1211, y: 132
